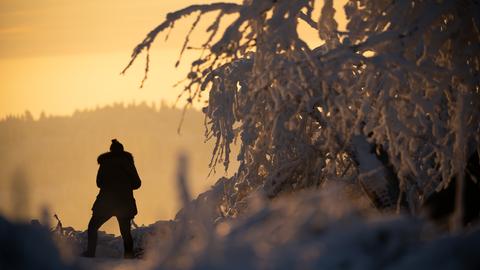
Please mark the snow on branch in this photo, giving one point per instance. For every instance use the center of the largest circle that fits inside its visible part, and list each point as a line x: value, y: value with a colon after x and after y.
x: 395, y: 77
x: 225, y: 8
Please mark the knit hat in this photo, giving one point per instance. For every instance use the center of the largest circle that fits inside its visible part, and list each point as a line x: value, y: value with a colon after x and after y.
x: 116, y: 146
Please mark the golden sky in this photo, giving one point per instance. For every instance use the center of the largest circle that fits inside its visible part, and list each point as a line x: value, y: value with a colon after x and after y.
x: 60, y: 55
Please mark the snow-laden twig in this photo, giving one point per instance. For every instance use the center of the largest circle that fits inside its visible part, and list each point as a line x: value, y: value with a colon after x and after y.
x: 392, y: 77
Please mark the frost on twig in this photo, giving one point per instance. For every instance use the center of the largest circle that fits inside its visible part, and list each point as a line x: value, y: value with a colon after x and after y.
x: 225, y: 8
x: 393, y: 77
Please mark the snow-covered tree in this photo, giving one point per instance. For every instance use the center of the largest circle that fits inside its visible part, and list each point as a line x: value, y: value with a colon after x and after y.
x: 403, y: 78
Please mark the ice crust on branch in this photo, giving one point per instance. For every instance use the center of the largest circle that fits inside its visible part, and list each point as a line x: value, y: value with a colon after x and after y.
x: 395, y: 77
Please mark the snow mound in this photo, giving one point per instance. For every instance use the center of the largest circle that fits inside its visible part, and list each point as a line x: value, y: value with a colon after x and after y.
x: 27, y: 246
x: 307, y: 230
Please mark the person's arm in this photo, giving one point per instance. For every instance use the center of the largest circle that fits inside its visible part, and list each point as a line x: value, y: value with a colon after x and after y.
x: 136, y: 182
x: 133, y: 174
x: 100, y: 177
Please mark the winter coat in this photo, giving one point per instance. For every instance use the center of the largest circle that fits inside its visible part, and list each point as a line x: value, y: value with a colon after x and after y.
x: 117, y: 177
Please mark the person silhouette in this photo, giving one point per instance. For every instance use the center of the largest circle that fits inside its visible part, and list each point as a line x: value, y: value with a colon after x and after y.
x: 117, y: 177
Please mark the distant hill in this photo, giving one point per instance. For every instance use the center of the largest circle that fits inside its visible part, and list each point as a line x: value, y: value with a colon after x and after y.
x: 52, y: 161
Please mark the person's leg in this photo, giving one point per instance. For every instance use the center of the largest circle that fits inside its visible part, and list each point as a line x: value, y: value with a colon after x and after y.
x: 124, y: 224
x: 95, y: 223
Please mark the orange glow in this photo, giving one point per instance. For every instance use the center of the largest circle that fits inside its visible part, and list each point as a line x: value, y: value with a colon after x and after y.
x: 60, y: 56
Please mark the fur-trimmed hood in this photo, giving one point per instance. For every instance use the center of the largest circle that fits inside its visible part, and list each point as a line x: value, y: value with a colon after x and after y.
x: 110, y: 155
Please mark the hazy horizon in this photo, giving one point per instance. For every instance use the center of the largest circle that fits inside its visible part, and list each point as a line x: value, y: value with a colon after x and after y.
x: 37, y: 115
x: 51, y: 162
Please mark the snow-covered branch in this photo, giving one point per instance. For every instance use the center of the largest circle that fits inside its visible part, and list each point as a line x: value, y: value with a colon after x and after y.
x: 394, y: 77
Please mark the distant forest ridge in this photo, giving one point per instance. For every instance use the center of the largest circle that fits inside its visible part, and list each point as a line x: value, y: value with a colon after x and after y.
x: 143, y: 105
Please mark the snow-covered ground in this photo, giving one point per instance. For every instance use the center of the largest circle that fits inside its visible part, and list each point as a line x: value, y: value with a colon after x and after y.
x: 309, y: 230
